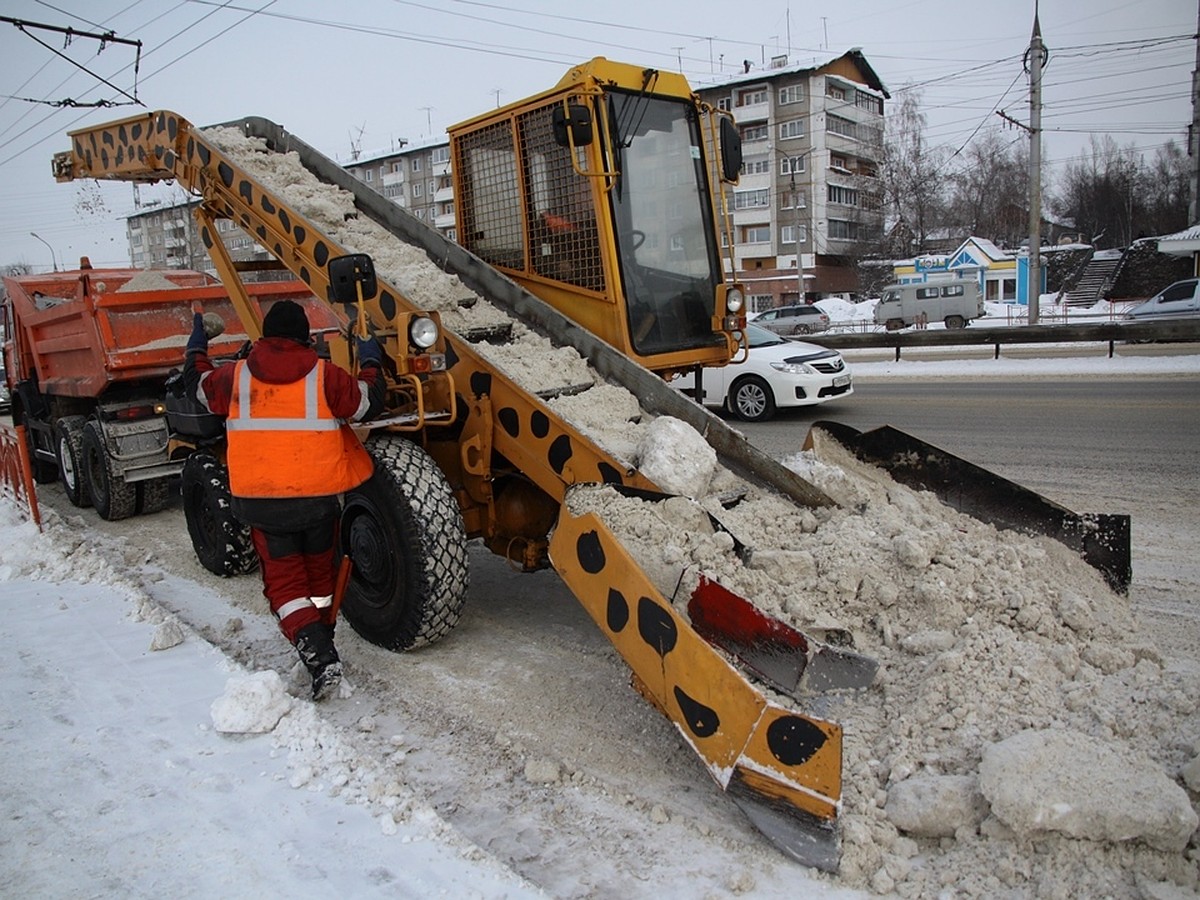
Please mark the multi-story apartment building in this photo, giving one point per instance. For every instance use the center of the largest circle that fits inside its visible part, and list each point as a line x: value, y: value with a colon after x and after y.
x: 415, y: 177
x: 812, y: 140
x: 168, y: 237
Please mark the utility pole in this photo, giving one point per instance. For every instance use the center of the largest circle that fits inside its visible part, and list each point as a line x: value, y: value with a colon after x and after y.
x: 1194, y: 134
x: 1036, y: 60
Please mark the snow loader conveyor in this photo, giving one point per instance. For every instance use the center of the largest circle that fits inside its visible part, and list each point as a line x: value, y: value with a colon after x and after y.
x: 499, y: 452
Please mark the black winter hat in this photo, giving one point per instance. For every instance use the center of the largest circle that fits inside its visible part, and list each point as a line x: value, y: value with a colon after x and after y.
x: 286, y: 318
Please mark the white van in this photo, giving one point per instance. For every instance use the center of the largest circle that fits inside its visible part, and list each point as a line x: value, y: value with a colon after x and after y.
x: 952, y: 303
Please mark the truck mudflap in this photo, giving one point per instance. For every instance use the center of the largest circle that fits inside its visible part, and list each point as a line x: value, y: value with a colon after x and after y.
x: 782, y: 767
x: 1102, y: 539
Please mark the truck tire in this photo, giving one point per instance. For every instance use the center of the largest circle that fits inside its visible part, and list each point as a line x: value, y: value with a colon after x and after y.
x: 113, y: 497
x: 953, y: 322
x: 154, y: 495
x: 404, y: 533
x: 751, y: 399
x: 222, y: 543
x: 68, y: 444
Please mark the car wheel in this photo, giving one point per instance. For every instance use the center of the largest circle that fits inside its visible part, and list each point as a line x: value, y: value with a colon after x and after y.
x: 751, y: 399
x: 953, y: 322
x: 894, y: 324
x: 801, y: 329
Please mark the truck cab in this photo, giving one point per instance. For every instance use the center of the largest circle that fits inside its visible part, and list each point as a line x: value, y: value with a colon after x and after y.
x: 600, y: 196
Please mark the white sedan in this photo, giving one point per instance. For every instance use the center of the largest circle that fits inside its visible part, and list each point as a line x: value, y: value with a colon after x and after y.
x: 776, y: 373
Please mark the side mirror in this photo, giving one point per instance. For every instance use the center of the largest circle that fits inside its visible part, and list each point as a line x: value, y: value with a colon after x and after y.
x: 572, y: 125
x: 352, y: 278
x: 731, y: 150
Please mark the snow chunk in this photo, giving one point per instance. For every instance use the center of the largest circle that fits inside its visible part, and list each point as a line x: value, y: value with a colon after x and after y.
x: 251, y: 704
x: 1069, y: 782
x: 935, y: 805
x: 676, y: 458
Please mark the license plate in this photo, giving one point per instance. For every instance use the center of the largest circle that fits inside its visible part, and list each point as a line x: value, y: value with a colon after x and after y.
x: 841, y: 381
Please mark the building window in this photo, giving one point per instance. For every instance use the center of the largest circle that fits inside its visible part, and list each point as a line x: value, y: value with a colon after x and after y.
x: 797, y: 199
x: 368, y: 175
x: 834, y: 91
x: 754, y: 133
x: 725, y: 104
x: 839, y: 162
x: 418, y: 189
x: 752, y: 96
x: 787, y: 234
x: 866, y: 101
x: 791, y: 165
x: 416, y: 164
x: 761, y: 302
x: 757, y: 234
x: 841, y: 230
x: 751, y: 199
x: 440, y: 155
x: 843, y: 195
x: 792, y: 129
x: 760, y: 165
x: 432, y: 188
x: 793, y: 93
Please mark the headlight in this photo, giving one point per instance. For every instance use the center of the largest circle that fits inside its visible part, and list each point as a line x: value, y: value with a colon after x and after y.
x: 793, y: 368
x: 734, y: 300
x: 423, y: 332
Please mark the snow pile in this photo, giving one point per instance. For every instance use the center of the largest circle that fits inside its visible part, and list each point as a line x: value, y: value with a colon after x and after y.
x: 1015, y: 711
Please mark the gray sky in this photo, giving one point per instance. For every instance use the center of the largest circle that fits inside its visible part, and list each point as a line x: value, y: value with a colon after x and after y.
x: 368, y: 73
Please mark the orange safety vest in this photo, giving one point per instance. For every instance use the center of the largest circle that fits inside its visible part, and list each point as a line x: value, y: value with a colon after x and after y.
x: 283, y: 440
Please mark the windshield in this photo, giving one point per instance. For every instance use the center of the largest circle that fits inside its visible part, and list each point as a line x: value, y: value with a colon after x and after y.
x: 669, y: 258
x: 757, y: 336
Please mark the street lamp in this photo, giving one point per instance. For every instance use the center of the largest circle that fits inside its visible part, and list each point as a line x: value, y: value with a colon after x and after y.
x: 53, y: 258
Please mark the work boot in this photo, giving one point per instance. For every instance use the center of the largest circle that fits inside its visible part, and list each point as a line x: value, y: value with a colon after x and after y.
x: 315, y: 644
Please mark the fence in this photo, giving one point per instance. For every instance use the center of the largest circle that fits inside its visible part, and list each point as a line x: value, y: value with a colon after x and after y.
x: 16, y: 475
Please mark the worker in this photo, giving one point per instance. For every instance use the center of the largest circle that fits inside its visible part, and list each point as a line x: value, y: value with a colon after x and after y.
x: 291, y: 456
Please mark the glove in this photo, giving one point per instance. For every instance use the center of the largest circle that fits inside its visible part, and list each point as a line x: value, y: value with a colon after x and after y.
x: 369, y: 352
x: 198, y: 342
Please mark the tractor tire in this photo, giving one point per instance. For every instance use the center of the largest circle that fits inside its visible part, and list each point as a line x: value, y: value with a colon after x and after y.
x: 404, y: 533
x: 68, y: 444
x: 113, y: 497
x: 222, y: 543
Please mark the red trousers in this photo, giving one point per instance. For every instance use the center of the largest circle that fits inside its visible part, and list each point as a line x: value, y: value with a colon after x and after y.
x: 297, y: 567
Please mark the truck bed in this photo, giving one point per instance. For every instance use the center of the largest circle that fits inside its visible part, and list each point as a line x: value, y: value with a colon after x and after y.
x: 81, y: 332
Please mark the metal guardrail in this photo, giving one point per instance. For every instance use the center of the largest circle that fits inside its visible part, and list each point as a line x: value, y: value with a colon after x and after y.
x: 1181, y: 330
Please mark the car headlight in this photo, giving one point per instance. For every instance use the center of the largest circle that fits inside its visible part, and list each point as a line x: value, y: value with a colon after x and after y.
x: 423, y: 332
x: 793, y: 368
x: 734, y: 300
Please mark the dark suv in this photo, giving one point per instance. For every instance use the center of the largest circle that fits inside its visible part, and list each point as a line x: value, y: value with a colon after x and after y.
x: 789, y: 320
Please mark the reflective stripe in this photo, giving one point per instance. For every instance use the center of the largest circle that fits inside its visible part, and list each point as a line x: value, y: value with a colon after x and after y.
x: 293, y: 606
x: 322, y: 602
x: 312, y: 421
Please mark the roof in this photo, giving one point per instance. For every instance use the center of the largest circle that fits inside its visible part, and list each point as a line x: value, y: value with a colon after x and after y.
x: 1181, y: 243
x: 854, y: 56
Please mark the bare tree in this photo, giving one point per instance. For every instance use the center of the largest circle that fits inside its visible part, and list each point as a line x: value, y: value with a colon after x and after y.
x: 914, y: 183
x: 1163, y: 191
x: 989, y: 195
x: 1098, y: 194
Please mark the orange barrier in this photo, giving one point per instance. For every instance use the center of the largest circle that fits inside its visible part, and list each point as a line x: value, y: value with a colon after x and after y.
x: 16, y: 474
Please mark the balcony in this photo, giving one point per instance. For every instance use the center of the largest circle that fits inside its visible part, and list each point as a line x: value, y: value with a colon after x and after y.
x: 393, y: 178
x: 444, y: 195
x: 752, y: 112
x: 444, y: 221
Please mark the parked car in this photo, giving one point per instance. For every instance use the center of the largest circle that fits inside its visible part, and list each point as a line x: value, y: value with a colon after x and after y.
x: 1179, y: 301
x: 5, y: 396
x: 788, y: 320
x: 776, y: 373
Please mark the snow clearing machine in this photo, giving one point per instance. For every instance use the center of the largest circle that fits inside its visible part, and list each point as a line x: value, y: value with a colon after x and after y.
x: 591, y: 215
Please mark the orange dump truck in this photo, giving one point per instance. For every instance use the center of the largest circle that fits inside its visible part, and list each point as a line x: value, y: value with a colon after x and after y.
x: 88, y: 354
